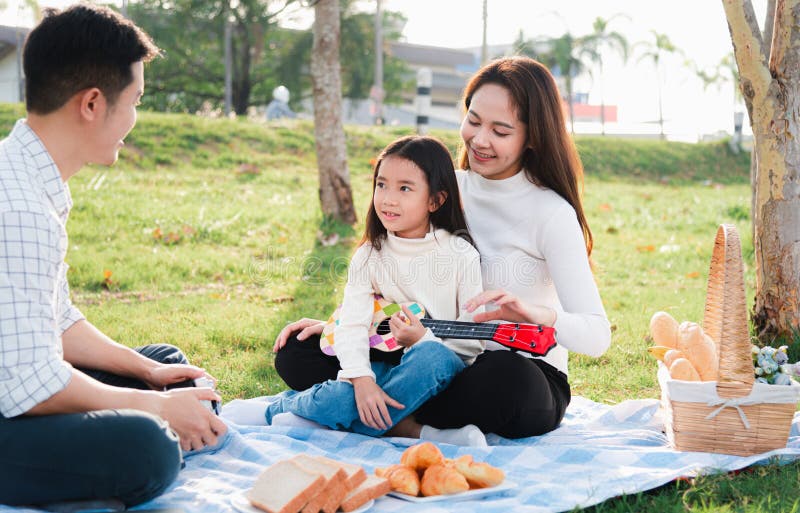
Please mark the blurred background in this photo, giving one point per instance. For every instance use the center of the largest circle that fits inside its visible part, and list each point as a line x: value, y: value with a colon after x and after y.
x: 625, y: 67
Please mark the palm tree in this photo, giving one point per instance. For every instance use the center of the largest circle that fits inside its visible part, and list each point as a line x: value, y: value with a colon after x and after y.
x: 595, y: 46
x: 654, y: 50
x: 562, y: 57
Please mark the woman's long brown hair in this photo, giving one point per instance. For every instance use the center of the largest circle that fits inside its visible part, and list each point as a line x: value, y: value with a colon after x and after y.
x: 550, y: 159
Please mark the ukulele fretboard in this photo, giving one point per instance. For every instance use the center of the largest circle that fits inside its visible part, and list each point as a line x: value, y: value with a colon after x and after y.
x: 451, y: 329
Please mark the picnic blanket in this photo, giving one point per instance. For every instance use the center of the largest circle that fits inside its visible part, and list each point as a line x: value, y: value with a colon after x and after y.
x: 598, y: 452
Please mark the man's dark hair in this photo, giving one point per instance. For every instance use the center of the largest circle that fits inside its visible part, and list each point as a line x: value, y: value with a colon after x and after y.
x: 77, y: 48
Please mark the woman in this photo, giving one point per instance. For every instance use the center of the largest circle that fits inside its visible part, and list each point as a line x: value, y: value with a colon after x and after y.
x: 521, y: 188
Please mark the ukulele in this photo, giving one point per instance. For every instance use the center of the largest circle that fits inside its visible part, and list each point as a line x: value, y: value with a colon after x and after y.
x: 528, y: 338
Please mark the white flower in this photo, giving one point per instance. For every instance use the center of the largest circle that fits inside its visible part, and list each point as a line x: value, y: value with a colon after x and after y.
x: 782, y: 379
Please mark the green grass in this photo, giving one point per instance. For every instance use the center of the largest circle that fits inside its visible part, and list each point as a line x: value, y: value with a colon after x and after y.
x: 210, y: 230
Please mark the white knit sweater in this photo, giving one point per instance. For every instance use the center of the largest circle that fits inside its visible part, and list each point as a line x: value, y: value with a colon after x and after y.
x: 440, y: 272
x: 532, y: 246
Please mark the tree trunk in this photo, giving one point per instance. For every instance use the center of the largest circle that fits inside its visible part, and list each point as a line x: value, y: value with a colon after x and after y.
x: 602, y: 103
x: 769, y: 24
x: 241, y: 69
x: 335, y: 195
x: 568, y: 82
x: 771, y: 88
x: 660, y: 106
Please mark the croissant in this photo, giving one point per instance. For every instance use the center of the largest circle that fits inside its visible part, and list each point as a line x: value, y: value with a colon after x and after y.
x: 478, y: 475
x: 421, y: 456
x: 442, y: 480
x: 403, y: 479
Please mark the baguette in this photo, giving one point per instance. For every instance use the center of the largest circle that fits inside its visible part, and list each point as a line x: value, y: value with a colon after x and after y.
x: 331, y: 495
x: 664, y: 330
x: 684, y: 370
x: 699, y: 349
x: 672, y: 355
x: 370, y: 489
x: 285, y: 487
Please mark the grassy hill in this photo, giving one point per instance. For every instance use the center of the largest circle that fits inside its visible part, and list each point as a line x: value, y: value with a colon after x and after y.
x: 174, y: 140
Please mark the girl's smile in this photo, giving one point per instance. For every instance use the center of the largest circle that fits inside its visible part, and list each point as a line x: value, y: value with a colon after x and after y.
x: 402, y: 198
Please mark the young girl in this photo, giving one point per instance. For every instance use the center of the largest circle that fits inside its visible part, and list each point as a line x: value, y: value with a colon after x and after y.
x: 416, y: 247
x: 521, y: 188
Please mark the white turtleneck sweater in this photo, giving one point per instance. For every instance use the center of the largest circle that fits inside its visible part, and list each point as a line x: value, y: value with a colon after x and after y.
x: 440, y: 272
x: 532, y: 246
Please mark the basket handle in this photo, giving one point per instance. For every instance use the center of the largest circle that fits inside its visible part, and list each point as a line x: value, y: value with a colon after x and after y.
x: 725, y: 318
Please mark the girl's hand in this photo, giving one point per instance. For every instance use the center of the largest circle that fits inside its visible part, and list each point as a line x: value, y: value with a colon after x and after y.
x: 372, y: 403
x: 305, y: 326
x: 406, y: 329
x: 511, y: 308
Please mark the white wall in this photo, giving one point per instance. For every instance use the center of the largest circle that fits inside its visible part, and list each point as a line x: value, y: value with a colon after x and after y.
x: 9, y: 86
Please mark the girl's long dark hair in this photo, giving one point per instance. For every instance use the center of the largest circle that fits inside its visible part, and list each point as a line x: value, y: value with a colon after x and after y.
x: 550, y: 159
x: 434, y: 160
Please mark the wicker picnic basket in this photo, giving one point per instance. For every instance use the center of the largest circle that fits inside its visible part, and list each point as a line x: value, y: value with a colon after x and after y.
x: 733, y: 415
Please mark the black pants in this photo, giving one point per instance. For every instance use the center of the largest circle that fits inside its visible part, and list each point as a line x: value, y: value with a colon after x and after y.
x: 127, y: 455
x: 502, y: 392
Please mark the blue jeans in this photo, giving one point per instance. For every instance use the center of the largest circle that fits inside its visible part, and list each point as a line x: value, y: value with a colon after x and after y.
x: 424, y: 370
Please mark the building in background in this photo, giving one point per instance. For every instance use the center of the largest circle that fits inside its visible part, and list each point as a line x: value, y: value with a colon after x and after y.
x: 11, y: 81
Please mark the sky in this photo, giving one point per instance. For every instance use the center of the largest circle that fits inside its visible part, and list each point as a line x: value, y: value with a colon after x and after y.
x: 697, y: 27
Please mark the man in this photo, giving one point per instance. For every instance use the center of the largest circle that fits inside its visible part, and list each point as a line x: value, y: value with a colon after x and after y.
x: 68, y: 434
x: 279, y: 106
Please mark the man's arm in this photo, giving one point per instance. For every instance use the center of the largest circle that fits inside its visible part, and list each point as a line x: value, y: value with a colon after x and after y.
x: 87, y: 347
x: 196, y: 426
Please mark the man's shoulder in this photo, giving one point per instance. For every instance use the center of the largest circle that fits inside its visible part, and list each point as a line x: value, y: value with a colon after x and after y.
x: 18, y: 189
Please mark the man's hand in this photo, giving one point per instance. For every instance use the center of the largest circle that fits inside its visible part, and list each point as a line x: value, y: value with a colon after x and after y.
x: 305, y: 326
x: 196, y: 426
x: 406, y: 329
x: 372, y: 403
x: 162, y: 375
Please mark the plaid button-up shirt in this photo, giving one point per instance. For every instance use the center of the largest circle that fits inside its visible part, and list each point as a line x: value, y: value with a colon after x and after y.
x: 35, y: 308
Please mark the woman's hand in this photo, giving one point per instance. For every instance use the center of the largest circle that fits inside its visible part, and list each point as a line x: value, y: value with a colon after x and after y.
x: 305, y: 326
x: 511, y: 308
x: 406, y: 329
x: 372, y: 402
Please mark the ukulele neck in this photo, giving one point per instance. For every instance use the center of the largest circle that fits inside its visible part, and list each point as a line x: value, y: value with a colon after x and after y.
x: 460, y: 329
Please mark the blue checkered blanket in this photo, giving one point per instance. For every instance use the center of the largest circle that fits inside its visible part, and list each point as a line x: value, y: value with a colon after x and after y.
x: 598, y: 452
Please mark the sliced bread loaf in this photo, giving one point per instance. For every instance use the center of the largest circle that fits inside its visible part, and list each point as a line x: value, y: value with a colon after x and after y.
x: 335, y: 489
x: 372, y: 488
x: 285, y: 487
x: 355, y: 474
